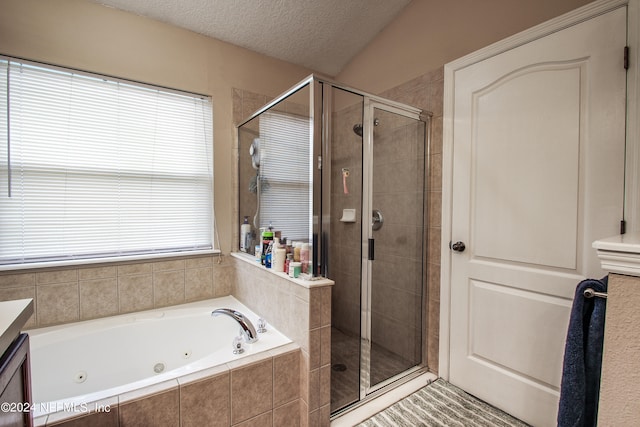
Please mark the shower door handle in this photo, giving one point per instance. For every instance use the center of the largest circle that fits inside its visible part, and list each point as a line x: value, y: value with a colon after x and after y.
x: 371, y: 249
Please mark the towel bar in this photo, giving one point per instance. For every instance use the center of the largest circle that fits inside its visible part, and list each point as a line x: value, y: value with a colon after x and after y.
x: 590, y: 293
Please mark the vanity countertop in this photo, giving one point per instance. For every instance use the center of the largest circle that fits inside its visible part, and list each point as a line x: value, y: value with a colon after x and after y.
x: 628, y: 243
x: 620, y: 254
x: 13, y: 316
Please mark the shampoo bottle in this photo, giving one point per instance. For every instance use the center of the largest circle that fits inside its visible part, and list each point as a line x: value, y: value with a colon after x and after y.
x: 245, y: 232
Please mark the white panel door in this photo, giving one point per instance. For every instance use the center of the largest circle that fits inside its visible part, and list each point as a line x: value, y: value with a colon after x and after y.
x: 538, y: 156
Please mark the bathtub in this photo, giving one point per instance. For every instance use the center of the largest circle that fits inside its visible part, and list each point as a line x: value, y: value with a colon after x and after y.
x: 76, y: 364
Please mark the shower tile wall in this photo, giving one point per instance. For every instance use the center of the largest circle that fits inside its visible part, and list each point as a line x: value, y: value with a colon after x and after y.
x: 73, y: 294
x: 426, y: 92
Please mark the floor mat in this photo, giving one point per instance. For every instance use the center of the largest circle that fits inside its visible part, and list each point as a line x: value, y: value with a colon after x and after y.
x: 441, y: 404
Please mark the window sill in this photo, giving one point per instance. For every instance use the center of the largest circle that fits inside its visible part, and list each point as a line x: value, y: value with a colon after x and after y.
x: 108, y: 260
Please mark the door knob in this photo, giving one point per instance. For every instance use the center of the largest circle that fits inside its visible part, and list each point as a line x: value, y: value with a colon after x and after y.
x: 458, y: 246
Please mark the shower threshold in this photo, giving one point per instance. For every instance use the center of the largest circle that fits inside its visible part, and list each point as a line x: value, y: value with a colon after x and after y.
x: 383, y: 398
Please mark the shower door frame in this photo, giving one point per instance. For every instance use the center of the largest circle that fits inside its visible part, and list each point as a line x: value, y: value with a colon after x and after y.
x: 322, y: 121
x: 370, y: 105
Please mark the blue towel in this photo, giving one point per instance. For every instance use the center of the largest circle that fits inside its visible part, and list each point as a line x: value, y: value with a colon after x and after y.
x: 580, y: 387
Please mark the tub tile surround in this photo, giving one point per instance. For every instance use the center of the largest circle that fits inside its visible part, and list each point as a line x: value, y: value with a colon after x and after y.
x: 289, y: 383
x: 83, y: 293
x: 304, y: 315
x: 258, y: 390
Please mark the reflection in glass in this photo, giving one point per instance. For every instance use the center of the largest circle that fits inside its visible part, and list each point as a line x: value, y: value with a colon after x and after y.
x: 275, y: 172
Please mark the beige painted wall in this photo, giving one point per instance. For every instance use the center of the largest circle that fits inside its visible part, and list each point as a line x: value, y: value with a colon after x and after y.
x: 88, y: 36
x: 429, y: 33
x: 619, y: 387
x: 84, y: 35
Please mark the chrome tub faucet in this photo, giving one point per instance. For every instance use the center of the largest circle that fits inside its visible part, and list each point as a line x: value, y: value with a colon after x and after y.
x: 247, y: 330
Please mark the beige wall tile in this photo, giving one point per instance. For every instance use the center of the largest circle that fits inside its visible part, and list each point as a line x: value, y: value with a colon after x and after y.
x: 325, y: 312
x: 15, y: 280
x: 159, y: 410
x: 56, y: 276
x: 137, y: 268
x: 304, y: 376
x: 107, y: 417
x: 304, y: 413
x: 97, y: 272
x: 175, y: 264
x: 198, y: 283
x: 168, y: 288
x: 199, y: 262
x: 135, y: 293
x: 314, y: 418
x: 323, y: 414
x: 95, y: 419
x: 325, y: 385
x: 434, y: 245
x: 206, y: 402
x: 262, y: 420
x: 299, y: 330
x: 287, y: 415
x: 325, y: 345
x: 314, y: 390
x: 251, y: 390
x: 314, y: 348
x: 57, y: 303
x: 98, y: 298
x: 315, y: 308
x: 436, y: 135
x: 223, y: 278
x: 286, y: 378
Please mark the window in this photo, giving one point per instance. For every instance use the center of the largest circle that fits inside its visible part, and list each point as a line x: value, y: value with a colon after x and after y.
x: 93, y: 167
x: 285, y: 174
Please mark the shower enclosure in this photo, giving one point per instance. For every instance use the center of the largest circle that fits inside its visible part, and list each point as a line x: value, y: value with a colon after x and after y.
x: 345, y: 172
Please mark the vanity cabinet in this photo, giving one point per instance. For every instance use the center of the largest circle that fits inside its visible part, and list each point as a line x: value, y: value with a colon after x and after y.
x: 15, y: 385
x: 15, y: 379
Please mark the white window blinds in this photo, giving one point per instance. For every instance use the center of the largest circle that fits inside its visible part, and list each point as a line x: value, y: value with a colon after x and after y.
x: 95, y: 167
x: 285, y: 174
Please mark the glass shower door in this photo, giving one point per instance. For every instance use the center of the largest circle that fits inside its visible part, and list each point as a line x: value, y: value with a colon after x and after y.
x: 377, y: 243
x: 392, y: 300
x: 345, y: 248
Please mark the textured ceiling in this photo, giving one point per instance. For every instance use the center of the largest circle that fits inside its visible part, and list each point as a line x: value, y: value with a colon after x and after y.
x: 323, y: 35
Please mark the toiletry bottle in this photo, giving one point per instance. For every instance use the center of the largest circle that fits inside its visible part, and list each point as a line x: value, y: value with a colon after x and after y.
x: 287, y: 262
x: 268, y: 258
x: 294, y: 269
x: 296, y: 251
x: 245, y: 232
x: 304, y: 257
x: 267, y: 239
x: 279, y: 258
